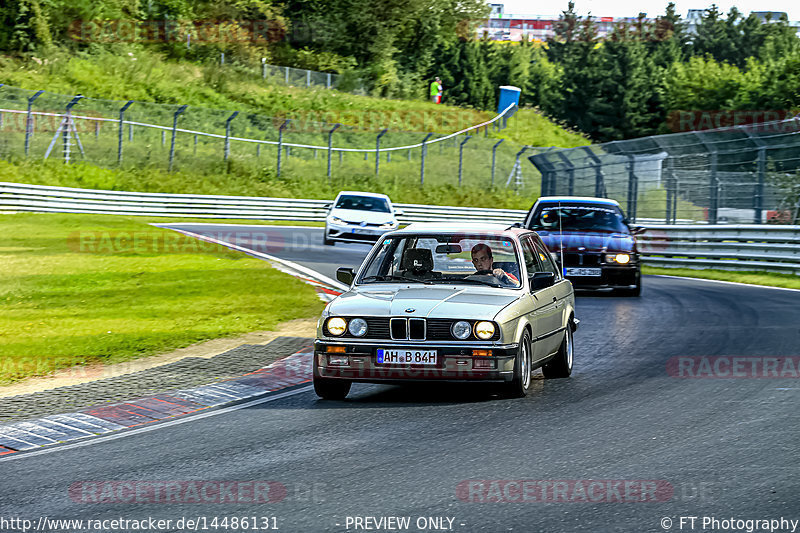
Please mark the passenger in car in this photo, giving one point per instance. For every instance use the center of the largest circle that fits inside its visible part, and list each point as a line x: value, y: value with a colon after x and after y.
x: 482, y: 260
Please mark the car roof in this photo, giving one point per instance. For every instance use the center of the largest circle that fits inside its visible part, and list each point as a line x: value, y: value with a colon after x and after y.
x: 460, y: 227
x: 362, y: 193
x: 574, y: 199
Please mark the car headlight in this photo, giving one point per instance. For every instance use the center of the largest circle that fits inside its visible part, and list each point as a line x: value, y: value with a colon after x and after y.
x: 389, y: 225
x: 336, y: 325
x: 461, y: 329
x: 337, y: 220
x: 622, y: 259
x: 357, y: 327
x: 484, y: 330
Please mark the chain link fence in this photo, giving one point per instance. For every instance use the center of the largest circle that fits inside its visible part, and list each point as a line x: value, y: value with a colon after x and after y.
x: 742, y: 174
x: 119, y: 134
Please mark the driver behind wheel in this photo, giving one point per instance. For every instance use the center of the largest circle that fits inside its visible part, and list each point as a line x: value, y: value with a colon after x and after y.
x: 482, y: 261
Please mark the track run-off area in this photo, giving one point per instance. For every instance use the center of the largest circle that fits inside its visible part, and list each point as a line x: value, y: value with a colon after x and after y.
x: 682, y: 403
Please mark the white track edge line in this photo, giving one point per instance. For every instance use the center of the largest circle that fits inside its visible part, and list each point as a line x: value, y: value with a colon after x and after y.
x: 300, y: 268
x: 722, y: 281
x: 88, y: 441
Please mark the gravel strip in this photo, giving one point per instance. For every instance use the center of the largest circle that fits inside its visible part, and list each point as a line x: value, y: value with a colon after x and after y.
x: 188, y: 372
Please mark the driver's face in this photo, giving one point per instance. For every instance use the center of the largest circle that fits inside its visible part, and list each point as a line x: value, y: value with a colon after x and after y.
x: 481, y: 260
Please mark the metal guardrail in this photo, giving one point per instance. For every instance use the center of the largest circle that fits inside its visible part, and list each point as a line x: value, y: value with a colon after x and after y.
x: 42, y: 198
x: 733, y: 247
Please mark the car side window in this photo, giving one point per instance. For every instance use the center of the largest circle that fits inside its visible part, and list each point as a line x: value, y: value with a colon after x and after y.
x: 546, y: 261
x: 532, y: 265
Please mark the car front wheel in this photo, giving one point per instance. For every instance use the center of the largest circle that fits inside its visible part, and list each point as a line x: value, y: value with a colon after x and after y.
x: 521, y: 384
x: 331, y: 389
x: 326, y: 241
x: 561, y: 365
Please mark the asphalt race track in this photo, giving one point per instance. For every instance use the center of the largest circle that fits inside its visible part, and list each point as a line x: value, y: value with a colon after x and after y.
x: 654, y: 425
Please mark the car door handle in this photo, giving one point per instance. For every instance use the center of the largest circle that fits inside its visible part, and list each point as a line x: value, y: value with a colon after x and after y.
x: 555, y: 299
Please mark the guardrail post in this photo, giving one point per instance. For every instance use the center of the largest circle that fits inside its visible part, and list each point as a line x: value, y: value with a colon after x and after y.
x: 308, y: 78
x: 670, y: 187
x: 599, y: 178
x: 378, y: 150
x: 758, y: 200
x: 422, y: 152
x: 67, y: 127
x: 547, y: 170
x: 130, y: 133
x: 194, y: 151
x: 461, y: 157
x: 713, y: 181
x: 494, y: 155
x: 121, y: 129
x: 633, y: 188
x: 228, y: 135
x: 286, y: 75
x: 280, y: 142
x: 517, y: 169
x: 570, y: 172
x: 330, y: 149
x: 29, y: 121
x: 180, y: 110
x: 328, y: 83
x: 263, y: 68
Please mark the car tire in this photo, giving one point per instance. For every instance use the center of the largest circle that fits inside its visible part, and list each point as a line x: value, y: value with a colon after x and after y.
x: 331, y: 389
x: 561, y: 365
x: 521, y: 383
x: 326, y: 241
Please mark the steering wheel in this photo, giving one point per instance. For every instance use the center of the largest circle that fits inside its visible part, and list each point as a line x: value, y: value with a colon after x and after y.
x: 483, y: 273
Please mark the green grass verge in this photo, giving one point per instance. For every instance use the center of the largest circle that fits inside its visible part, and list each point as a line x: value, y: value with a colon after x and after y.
x: 769, y: 279
x: 75, y: 290
x: 129, y: 72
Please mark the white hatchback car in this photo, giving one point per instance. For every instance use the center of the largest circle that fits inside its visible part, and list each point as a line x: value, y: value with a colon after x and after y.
x: 359, y: 217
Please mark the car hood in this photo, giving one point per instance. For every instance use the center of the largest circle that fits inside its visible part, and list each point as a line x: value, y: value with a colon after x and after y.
x: 357, y: 215
x: 588, y: 241
x: 429, y: 301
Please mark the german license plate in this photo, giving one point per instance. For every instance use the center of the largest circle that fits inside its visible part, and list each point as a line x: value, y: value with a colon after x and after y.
x: 362, y: 231
x: 406, y: 357
x: 573, y: 271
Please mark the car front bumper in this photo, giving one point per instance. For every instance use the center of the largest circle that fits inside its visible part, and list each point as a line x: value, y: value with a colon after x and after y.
x: 454, y: 363
x: 611, y: 277
x: 354, y: 233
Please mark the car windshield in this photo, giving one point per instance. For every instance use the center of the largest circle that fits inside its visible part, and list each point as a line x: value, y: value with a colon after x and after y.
x: 579, y: 218
x: 469, y: 259
x: 363, y: 203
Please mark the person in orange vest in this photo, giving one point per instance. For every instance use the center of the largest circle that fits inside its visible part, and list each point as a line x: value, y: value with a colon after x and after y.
x: 436, y: 91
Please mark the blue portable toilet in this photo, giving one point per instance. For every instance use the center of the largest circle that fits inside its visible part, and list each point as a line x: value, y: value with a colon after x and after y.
x: 508, y: 95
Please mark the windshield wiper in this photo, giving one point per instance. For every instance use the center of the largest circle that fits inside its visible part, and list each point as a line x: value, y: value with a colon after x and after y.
x: 464, y: 280
x: 395, y: 278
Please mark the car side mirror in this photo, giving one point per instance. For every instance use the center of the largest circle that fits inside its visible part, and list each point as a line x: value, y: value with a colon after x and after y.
x: 637, y: 230
x: 399, y: 212
x: 345, y: 275
x: 327, y: 206
x: 542, y: 280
